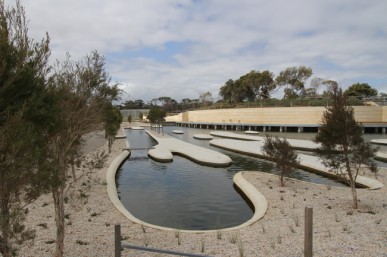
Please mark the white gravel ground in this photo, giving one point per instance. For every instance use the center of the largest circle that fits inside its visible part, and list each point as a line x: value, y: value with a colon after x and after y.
x: 338, y: 229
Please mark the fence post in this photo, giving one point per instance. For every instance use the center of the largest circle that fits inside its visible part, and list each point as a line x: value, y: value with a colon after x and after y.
x: 117, y: 240
x: 308, y: 232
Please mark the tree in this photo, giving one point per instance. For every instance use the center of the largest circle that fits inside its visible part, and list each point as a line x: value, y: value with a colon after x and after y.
x: 24, y: 107
x: 112, y: 122
x: 280, y: 151
x: 236, y: 91
x: 343, y: 148
x: 293, y: 79
x: 361, y: 90
x: 83, y: 92
x: 156, y: 115
x: 129, y: 118
x: 260, y: 83
x: 206, y: 98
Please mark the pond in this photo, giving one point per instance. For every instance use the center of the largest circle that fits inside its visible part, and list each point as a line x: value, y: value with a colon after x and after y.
x: 186, y: 195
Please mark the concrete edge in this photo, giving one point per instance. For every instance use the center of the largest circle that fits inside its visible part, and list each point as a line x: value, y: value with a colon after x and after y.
x: 256, y: 197
x: 164, y: 154
x: 362, y: 182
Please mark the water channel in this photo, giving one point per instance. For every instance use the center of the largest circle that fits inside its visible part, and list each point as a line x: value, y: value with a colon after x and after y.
x: 186, y: 195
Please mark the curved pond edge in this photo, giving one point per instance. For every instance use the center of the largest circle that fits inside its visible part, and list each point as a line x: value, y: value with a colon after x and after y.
x: 307, y: 162
x: 256, y: 197
x: 167, y: 146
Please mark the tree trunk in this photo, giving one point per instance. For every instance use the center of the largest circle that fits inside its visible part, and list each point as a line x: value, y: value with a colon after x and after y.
x: 73, y: 169
x: 5, y: 248
x: 110, y: 143
x: 354, y: 195
x: 58, y: 195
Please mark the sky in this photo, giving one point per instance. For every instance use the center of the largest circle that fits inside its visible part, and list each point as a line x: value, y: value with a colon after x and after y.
x: 182, y: 48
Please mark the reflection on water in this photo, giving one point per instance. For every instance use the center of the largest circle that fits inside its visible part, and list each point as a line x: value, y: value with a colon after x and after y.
x: 186, y: 195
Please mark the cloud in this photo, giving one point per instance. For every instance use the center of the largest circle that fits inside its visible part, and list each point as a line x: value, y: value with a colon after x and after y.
x: 180, y: 48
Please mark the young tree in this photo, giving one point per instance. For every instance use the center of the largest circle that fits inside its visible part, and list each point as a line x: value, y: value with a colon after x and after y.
x: 156, y: 115
x: 343, y: 148
x: 113, y: 119
x: 83, y: 92
x: 129, y: 118
x: 280, y: 151
x: 23, y: 110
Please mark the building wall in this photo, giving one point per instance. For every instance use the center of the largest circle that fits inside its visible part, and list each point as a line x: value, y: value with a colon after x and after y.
x: 277, y: 115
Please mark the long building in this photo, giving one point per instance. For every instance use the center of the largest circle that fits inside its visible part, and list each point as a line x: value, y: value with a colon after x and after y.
x: 278, y: 119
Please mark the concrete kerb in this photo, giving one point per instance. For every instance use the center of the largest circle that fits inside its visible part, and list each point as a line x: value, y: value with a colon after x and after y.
x: 381, y: 156
x: 310, y: 163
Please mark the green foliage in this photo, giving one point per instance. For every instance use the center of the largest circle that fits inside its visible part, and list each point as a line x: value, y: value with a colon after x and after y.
x: 23, y: 70
x: 361, y: 90
x: 294, y: 79
x: 251, y: 86
x: 343, y: 148
x: 112, y: 123
x: 280, y: 151
x: 84, y: 96
x: 156, y: 115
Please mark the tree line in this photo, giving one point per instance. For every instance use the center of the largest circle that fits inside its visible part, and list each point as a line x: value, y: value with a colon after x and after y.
x: 256, y: 86
x: 44, y: 112
x: 169, y: 104
x: 260, y: 86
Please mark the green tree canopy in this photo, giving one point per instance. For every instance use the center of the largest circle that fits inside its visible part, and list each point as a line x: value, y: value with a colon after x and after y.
x: 249, y: 87
x: 156, y: 115
x: 293, y: 79
x: 24, y: 111
x: 361, y: 90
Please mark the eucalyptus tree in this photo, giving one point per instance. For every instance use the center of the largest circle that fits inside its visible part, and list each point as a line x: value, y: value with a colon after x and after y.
x: 361, y: 90
x: 343, y: 148
x: 293, y: 79
x: 83, y: 90
x: 23, y: 122
x: 261, y: 84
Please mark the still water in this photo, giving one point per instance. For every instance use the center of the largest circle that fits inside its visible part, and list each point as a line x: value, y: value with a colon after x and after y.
x: 186, y: 195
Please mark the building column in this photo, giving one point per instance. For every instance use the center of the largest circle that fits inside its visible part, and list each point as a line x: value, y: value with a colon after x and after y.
x: 300, y: 129
x: 280, y: 128
x: 384, y: 130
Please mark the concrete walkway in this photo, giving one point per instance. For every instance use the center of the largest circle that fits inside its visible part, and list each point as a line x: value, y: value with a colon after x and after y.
x: 379, y: 141
x: 233, y: 135
x: 167, y: 146
x: 381, y: 156
x: 298, y: 144
x: 307, y: 162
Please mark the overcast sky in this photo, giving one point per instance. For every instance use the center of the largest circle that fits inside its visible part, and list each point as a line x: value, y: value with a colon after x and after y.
x: 181, y: 48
